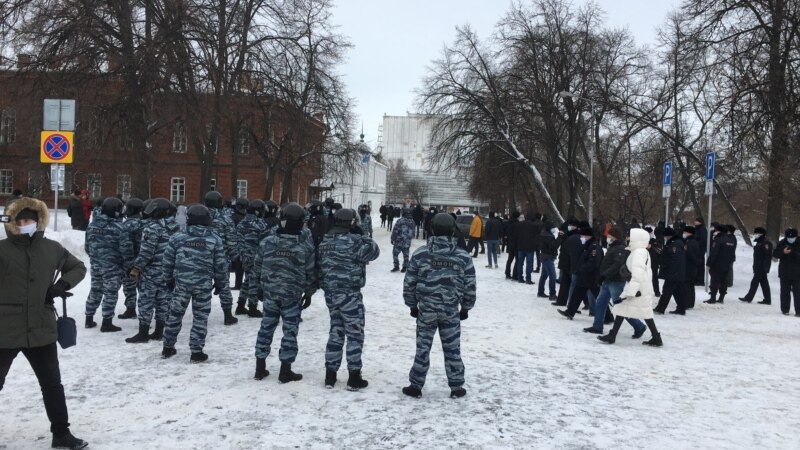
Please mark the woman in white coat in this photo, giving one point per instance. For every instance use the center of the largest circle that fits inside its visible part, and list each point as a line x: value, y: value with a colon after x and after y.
x: 637, y: 296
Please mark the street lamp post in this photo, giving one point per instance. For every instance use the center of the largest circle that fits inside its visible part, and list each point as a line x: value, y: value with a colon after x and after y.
x: 592, y: 153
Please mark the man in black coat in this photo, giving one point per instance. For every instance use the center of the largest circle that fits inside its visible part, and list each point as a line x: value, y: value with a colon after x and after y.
x: 569, y: 242
x: 526, y: 247
x: 586, y: 273
x: 694, y: 265
x: 673, y: 272
x: 788, y: 253
x: 513, y: 236
x: 701, y: 234
x: 417, y: 215
x: 720, y: 263
x: 537, y: 241
x: 762, y: 261
x: 493, y: 230
x: 548, y: 253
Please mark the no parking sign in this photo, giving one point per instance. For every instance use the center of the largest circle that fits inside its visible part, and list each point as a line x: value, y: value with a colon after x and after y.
x: 56, y: 147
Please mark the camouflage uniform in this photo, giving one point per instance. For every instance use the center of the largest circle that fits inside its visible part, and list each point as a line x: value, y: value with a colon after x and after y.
x: 193, y: 258
x: 153, y: 294
x: 132, y: 228
x: 285, y: 268
x: 342, y: 266
x: 402, y: 234
x: 440, y: 281
x: 109, y: 253
x: 366, y: 225
x: 222, y: 224
x: 252, y: 230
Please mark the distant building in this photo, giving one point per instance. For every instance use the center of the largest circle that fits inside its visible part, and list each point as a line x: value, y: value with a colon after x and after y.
x: 364, y: 183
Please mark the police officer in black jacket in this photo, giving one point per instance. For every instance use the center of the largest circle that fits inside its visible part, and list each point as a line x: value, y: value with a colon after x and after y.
x: 762, y: 261
x: 586, y: 273
x: 694, y: 264
x: 720, y: 263
x: 788, y: 253
x: 673, y: 271
x: 569, y: 243
x: 512, y: 239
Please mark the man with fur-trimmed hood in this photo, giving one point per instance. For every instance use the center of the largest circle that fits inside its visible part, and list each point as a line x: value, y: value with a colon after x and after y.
x: 29, y: 263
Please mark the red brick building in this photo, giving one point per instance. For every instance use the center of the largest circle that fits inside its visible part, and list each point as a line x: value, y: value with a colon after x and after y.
x: 106, y: 164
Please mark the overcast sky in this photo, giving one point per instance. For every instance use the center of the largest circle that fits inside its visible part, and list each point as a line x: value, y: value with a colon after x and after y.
x: 395, y: 40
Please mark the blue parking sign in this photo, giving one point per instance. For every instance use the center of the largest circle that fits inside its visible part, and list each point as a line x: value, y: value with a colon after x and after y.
x: 711, y: 157
x: 667, y: 180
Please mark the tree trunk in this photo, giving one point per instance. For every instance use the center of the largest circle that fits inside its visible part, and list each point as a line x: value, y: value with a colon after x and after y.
x: 286, y: 186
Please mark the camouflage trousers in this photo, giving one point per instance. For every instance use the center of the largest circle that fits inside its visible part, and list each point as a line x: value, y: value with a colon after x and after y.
x: 225, y: 295
x: 249, y: 290
x: 200, y: 296
x: 106, y: 280
x: 347, y: 321
x: 449, y: 327
x: 153, y: 296
x: 396, y: 252
x: 129, y: 289
x: 277, y: 307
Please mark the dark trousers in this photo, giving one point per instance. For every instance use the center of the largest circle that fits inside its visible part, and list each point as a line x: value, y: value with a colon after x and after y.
x: 44, y: 362
x: 563, y: 287
x: 472, y: 244
x: 688, y: 288
x: 790, y: 287
x: 719, y: 283
x: 238, y: 268
x: 580, y: 295
x: 672, y: 289
x: 512, y: 262
x: 656, y: 288
x: 759, y: 278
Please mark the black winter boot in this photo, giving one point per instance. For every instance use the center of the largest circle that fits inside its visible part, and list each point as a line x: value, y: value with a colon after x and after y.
x: 330, y: 378
x: 261, y: 369
x: 395, y: 269
x: 404, y: 269
x: 141, y: 337
x: 198, y: 357
x: 158, y: 332
x: 229, y: 319
x: 355, y: 382
x: 611, y: 337
x: 411, y: 391
x: 241, y: 310
x: 286, y: 375
x: 458, y: 392
x: 130, y: 313
x: 108, y: 326
x: 168, y: 352
x: 90, y: 323
x: 252, y: 311
x: 68, y: 441
x: 655, y: 341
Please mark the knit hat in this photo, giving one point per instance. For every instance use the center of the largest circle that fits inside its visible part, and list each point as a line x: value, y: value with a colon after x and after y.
x: 27, y: 213
x: 617, y: 233
x: 669, y: 231
x: 688, y: 229
x: 760, y: 230
x: 586, y: 231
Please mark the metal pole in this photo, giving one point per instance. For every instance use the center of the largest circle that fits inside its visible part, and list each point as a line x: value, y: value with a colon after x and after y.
x: 666, y: 213
x: 708, y: 232
x: 58, y: 173
x: 591, y: 169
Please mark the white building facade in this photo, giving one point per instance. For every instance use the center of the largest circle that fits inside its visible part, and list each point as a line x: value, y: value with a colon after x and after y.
x: 366, y: 184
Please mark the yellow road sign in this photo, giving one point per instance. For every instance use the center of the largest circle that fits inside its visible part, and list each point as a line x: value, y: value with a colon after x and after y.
x: 56, y: 147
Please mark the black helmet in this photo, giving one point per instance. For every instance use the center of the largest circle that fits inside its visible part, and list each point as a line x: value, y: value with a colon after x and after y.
x: 145, y: 203
x: 257, y: 208
x: 407, y: 213
x: 363, y: 210
x: 344, y: 218
x: 241, y: 205
x: 443, y: 224
x: 158, y: 208
x: 133, y: 207
x: 314, y: 207
x: 272, y: 208
x: 230, y: 202
x: 329, y: 203
x: 213, y: 199
x: 112, y: 207
x: 292, y: 216
x: 198, y: 215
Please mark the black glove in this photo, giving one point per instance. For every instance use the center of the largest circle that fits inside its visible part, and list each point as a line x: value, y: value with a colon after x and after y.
x: 414, y: 312
x: 355, y: 229
x: 463, y: 314
x: 217, y: 289
x: 171, y: 284
x: 306, y: 301
x: 57, y: 290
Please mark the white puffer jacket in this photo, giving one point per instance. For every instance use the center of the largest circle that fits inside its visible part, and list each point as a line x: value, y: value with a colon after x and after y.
x: 638, y: 264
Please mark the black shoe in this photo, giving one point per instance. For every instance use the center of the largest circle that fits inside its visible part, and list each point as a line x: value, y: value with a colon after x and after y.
x: 458, y: 392
x: 411, y: 391
x: 585, y: 307
x: 141, y: 337
x: 241, y: 310
x: 355, y: 382
x: 744, y: 299
x: 68, y: 441
x: 286, y: 375
x: 395, y: 269
x: 655, y: 341
x: 108, y: 326
x: 608, y: 322
x: 658, y: 311
x: 657, y: 294
x: 542, y: 296
x: 261, y: 369
x: 678, y: 312
x: 786, y: 313
x: 554, y: 298
x: 198, y: 357
x: 556, y: 303
x: 158, y: 332
x: 610, y: 338
x: 508, y: 277
x: 229, y: 319
x: 592, y: 330
x: 404, y: 269
x: 130, y: 313
x: 565, y: 314
x: 638, y: 334
x: 252, y: 311
x: 236, y: 287
x: 330, y: 378
x: 90, y: 323
x: 168, y: 352
x: 474, y: 256
x: 529, y: 282
x: 710, y: 301
x: 765, y: 302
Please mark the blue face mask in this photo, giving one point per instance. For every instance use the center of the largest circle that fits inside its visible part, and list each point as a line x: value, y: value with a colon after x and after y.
x: 584, y: 240
x: 791, y: 240
x: 29, y: 229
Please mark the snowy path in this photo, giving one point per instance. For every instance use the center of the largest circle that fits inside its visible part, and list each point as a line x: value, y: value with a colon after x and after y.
x: 726, y: 378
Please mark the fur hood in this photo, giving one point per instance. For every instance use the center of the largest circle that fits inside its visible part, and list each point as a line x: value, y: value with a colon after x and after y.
x: 31, y: 203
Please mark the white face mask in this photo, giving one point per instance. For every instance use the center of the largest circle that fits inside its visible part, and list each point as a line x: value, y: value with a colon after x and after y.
x: 521, y: 218
x: 584, y: 240
x: 28, y: 229
x: 791, y: 240
x: 757, y: 235
x: 686, y: 235
x: 571, y: 227
x: 610, y: 240
x: 553, y: 230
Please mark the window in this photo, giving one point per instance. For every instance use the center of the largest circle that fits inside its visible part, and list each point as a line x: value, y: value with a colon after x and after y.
x: 212, y: 140
x: 8, y: 124
x: 125, y: 138
x: 178, y: 189
x: 6, y: 181
x: 213, y: 184
x: 96, y: 130
x: 241, y: 188
x: 244, y: 142
x: 179, y: 137
x: 124, y: 186
x: 94, y: 184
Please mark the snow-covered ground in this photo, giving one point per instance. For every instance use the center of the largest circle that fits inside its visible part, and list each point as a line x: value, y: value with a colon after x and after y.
x: 725, y: 378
